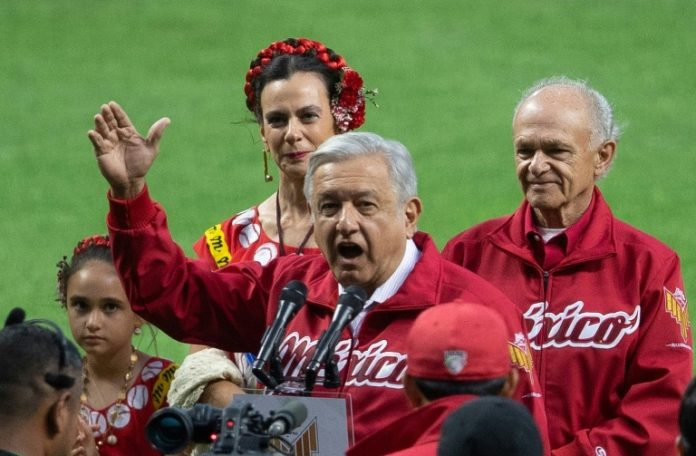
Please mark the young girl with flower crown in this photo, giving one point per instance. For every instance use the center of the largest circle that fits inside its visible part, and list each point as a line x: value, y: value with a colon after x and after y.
x: 122, y: 385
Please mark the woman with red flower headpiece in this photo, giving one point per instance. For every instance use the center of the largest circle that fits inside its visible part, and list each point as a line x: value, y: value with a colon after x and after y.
x: 301, y: 93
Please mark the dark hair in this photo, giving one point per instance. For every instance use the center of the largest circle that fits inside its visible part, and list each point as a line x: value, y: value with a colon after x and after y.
x: 687, y: 419
x: 37, y: 360
x: 283, y: 67
x: 436, y: 389
x: 90, y: 248
x: 490, y: 426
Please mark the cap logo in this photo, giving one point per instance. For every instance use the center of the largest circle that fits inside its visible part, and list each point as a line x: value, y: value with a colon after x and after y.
x: 455, y: 361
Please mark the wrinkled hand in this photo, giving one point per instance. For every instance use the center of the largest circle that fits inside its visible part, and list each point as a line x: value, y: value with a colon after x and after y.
x: 124, y: 157
x: 85, y: 445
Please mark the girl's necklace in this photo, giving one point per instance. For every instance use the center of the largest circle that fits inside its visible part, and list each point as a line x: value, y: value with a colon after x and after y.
x: 108, y: 436
x: 281, y: 245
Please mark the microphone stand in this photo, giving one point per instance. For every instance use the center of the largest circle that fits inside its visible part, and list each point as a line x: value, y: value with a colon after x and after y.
x: 274, y: 376
x: 276, y: 368
x: 331, y: 377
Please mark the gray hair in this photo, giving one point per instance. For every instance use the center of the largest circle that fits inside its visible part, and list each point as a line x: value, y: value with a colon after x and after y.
x: 352, y: 145
x: 604, y: 127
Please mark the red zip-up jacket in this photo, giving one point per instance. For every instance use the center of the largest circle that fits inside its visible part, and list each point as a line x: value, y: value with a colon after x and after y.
x: 608, y: 326
x: 231, y: 307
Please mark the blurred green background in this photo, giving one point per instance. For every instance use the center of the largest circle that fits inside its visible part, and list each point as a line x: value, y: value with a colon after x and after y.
x: 449, y: 73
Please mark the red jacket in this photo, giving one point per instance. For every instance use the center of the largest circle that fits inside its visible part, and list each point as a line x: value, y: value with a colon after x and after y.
x: 417, y: 433
x: 230, y: 309
x: 608, y: 326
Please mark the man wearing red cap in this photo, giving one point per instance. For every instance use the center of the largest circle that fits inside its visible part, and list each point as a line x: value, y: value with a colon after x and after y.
x: 456, y: 352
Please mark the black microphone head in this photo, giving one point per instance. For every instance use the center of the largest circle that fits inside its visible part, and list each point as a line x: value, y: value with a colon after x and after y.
x: 353, y: 297
x: 294, y: 291
x: 293, y: 414
x: 15, y: 316
x: 297, y: 410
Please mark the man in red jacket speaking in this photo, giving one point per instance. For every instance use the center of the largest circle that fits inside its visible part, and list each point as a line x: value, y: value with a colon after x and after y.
x: 604, y: 303
x: 363, y: 200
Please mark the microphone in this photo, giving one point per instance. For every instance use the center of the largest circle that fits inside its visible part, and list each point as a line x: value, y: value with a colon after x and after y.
x: 349, y: 305
x: 15, y: 316
x: 292, y: 297
x: 287, y: 418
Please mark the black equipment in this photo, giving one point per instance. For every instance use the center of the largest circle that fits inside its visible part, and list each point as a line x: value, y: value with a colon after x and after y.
x: 236, y: 429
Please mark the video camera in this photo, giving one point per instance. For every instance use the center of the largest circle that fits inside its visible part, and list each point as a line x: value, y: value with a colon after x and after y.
x: 236, y: 429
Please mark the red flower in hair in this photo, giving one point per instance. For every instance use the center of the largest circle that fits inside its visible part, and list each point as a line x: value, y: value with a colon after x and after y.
x: 348, y: 108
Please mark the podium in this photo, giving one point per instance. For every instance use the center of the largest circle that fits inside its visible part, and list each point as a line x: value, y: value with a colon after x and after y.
x: 327, y: 430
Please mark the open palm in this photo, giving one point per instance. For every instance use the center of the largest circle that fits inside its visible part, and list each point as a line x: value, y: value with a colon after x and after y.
x: 124, y: 157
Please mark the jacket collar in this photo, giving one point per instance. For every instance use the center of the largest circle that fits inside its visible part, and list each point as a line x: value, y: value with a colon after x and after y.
x: 595, y: 241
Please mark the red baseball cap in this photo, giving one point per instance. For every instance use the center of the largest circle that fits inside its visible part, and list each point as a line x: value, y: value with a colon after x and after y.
x: 458, y: 341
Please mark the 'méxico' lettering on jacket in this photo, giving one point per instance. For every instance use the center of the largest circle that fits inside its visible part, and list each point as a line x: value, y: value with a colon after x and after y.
x: 373, y: 366
x: 574, y: 328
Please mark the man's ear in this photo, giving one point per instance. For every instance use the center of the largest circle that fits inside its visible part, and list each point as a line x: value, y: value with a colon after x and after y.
x: 680, y: 446
x: 412, y: 211
x: 513, y: 377
x: 413, y: 393
x: 58, y: 414
x: 604, y: 157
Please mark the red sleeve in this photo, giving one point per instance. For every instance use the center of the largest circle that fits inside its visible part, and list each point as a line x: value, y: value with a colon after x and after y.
x: 224, y: 309
x: 656, y: 377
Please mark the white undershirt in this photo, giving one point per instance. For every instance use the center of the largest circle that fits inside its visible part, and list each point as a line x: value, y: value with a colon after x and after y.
x: 549, y: 233
x: 391, y: 286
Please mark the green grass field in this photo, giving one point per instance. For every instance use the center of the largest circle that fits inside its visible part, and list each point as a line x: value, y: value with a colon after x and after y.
x: 449, y: 73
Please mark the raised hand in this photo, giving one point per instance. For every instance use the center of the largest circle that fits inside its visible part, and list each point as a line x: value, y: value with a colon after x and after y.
x: 124, y: 157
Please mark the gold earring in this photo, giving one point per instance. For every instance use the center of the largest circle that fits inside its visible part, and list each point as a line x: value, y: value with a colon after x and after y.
x: 267, y: 177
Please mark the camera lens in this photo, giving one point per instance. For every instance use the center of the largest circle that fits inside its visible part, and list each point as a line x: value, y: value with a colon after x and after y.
x: 169, y: 430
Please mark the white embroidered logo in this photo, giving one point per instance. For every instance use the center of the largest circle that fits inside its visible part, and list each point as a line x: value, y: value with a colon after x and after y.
x: 374, y: 366
x: 575, y: 328
x: 455, y: 361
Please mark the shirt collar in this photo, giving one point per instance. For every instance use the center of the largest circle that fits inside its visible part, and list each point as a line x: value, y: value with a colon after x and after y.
x: 398, y: 277
x: 391, y: 286
x: 571, y: 235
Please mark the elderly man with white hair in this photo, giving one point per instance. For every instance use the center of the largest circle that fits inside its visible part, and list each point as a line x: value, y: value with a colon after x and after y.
x: 604, y: 303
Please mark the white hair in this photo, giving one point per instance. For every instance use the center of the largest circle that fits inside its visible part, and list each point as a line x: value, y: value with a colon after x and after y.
x: 353, y: 144
x: 603, y: 128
